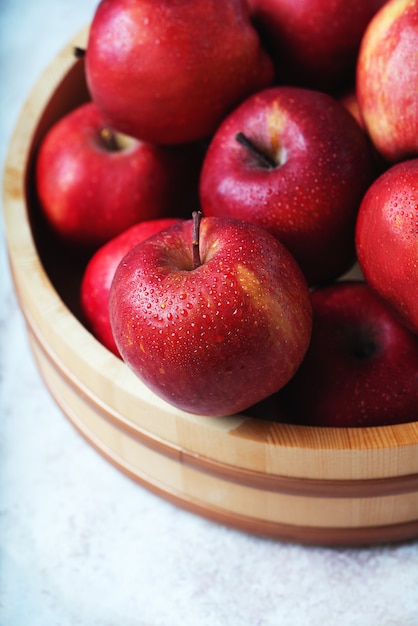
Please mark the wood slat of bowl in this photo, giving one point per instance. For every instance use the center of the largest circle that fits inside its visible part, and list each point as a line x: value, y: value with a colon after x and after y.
x: 328, y: 518
x: 276, y: 479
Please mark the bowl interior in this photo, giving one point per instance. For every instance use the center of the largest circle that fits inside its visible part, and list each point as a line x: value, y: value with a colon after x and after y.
x: 63, y: 267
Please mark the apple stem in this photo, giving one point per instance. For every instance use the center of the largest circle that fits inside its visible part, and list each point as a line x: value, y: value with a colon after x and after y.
x: 109, y: 139
x: 197, y: 216
x: 79, y: 52
x: 264, y: 158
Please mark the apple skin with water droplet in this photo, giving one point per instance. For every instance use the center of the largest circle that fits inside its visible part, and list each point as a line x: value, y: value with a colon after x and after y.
x: 100, y: 270
x: 387, y: 240
x: 309, y: 196
x: 91, y: 188
x: 168, y: 72
x: 361, y: 368
x: 387, y: 80
x: 218, y: 337
x: 313, y: 43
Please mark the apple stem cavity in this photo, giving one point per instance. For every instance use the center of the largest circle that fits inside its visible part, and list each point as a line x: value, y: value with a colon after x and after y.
x: 196, y: 216
x: 365, y: 350
x: 363, y: 347
x: 110, y: 140
x: 264, y: 159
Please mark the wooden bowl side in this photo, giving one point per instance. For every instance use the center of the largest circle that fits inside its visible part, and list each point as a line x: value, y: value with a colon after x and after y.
x: 272, y: 457
x: 337, y: 516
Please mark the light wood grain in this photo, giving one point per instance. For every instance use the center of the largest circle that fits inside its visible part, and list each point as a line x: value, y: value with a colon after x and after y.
x: 219, y: 498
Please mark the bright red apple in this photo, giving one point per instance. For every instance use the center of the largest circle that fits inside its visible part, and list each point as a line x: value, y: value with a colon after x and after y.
x: 212, y: 319
x: 93, y: 183
x: 361, y: 368
x: 167, y: 72
x: 387, y: 80
x: 387, y: 239
x: 99, y: 273
x: 314, y: 43
x: 297, y: 163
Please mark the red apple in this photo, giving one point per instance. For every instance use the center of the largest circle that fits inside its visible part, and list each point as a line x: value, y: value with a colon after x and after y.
x: 99, y: 273
x: 387, y: 240
x: 211, y: 323
x: 361, y: 368
x: 314, y: 43
x: 302, y: 177
x: 387, y: 80
x: 168, y: 72
x: 350, y: 101
x: 93, y: 183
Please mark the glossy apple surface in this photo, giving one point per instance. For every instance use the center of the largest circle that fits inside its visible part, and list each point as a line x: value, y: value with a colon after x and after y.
x: 99, y: 273
x: 314, y: 43
x: 361, y: 368
x: 93, y: 184
x: 387, y: 80
x: 309, y: 193
x: 217, y: 336
x: 350, y: 101
x: 168, y: 72
x: 387, y: 239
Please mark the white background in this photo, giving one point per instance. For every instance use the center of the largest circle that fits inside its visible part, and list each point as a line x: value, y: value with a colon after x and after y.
x: 83, y: 545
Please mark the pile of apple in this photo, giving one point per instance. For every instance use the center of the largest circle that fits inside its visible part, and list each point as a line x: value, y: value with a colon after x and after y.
x: 236, y: 159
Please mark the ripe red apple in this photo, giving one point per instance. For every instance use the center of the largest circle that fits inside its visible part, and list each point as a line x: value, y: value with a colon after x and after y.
x: 212, y: 319
x: 314, y: 43
x: 350, y: 101
x: 168, y: 72
x: 387, y: 239
x: 299, y: 169
x: 361, y: 368
x: 387, y: 80
x: 93, y: 183
x: 99, y: 272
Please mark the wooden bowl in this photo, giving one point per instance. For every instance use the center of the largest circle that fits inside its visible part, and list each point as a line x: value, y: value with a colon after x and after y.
x: 313, y: 485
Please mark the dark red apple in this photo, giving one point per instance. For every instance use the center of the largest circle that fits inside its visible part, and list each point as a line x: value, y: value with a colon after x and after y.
x: 361, y: 368
x: 387, y: 80
x: 168, y: 72
x: 314, y: 43
x: 93, y: 183
x: 212, y: 319
x: 297, y: 163
x: 99, y: 273
x: 387, y: 240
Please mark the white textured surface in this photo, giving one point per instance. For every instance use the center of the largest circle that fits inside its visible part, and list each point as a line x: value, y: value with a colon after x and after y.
x: 83, y: 545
